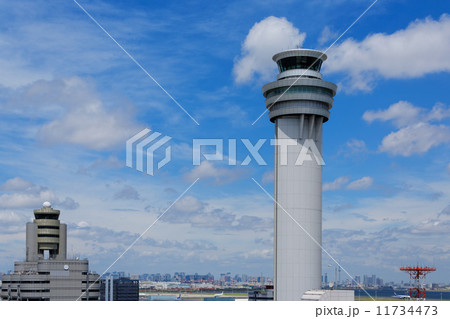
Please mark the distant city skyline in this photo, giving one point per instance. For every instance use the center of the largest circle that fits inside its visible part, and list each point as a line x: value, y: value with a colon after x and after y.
x: 363, y: 279
x: 71, y: 98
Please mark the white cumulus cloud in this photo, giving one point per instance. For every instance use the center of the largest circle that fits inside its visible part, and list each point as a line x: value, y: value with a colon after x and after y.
x: 360, y: 184
x: 189, y: 204
x: 89, y: 123
x: 9, y: 217
x: 16, y: 184
x: 404, y: 113
x: 127, y: 193
x: 29, y: 199
x: 221, y: 175
x: 344, y: 182
x: 419, y: 49
x: 338, y: 183
x: 415, y: 139
x: 401, y: 113
x: 417, y: 133
x: 74, y: 113
x: 326, y: 35
x: 21, y: 193
x: 354, y: 148
x: 265, y: 38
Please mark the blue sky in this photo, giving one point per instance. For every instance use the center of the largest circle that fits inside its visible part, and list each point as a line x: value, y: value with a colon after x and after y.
x: 70, y: 98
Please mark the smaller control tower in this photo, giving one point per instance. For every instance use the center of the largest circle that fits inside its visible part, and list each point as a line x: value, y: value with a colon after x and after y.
x: 46, y: 273
x: 46, y: 234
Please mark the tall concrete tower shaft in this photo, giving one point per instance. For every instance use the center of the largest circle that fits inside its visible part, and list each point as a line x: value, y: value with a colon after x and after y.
x: 299, y: 103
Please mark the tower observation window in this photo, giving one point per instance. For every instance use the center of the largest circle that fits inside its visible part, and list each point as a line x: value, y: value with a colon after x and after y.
x: 300, y: 62
x: 48, y: 227
x: 299, y: 89
x: 46, y: 216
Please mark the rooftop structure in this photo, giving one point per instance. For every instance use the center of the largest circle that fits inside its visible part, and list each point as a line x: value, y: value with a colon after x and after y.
x: 46, y: 234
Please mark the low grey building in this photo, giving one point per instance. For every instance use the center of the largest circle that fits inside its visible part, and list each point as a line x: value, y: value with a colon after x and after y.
x: 46, y: 273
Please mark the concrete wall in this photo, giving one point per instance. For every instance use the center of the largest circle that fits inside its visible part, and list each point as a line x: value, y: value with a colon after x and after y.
x: 329, y: 295
x: 50, y: 280
x: 298, y: 188
x: 62, y: 242
x: 31, y: 245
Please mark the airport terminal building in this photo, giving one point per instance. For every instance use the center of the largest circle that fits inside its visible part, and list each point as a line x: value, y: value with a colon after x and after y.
x: 46, y: 273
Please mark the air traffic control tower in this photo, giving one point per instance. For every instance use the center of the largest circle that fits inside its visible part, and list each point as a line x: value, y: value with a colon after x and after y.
x: 299, y: 102
x: 46, y: 234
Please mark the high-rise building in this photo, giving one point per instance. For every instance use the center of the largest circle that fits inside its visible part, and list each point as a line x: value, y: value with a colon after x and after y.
x: 121, y: 289
x: 365, y: 280
x: 46, y: 273
x: 299, y: 102
x: 200, y: 278
x: 379, y: 282
x: 157, y: 277
x: 373, y: 280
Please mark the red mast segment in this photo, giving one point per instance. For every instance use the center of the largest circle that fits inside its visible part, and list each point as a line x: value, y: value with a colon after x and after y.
x: 417, y: 273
